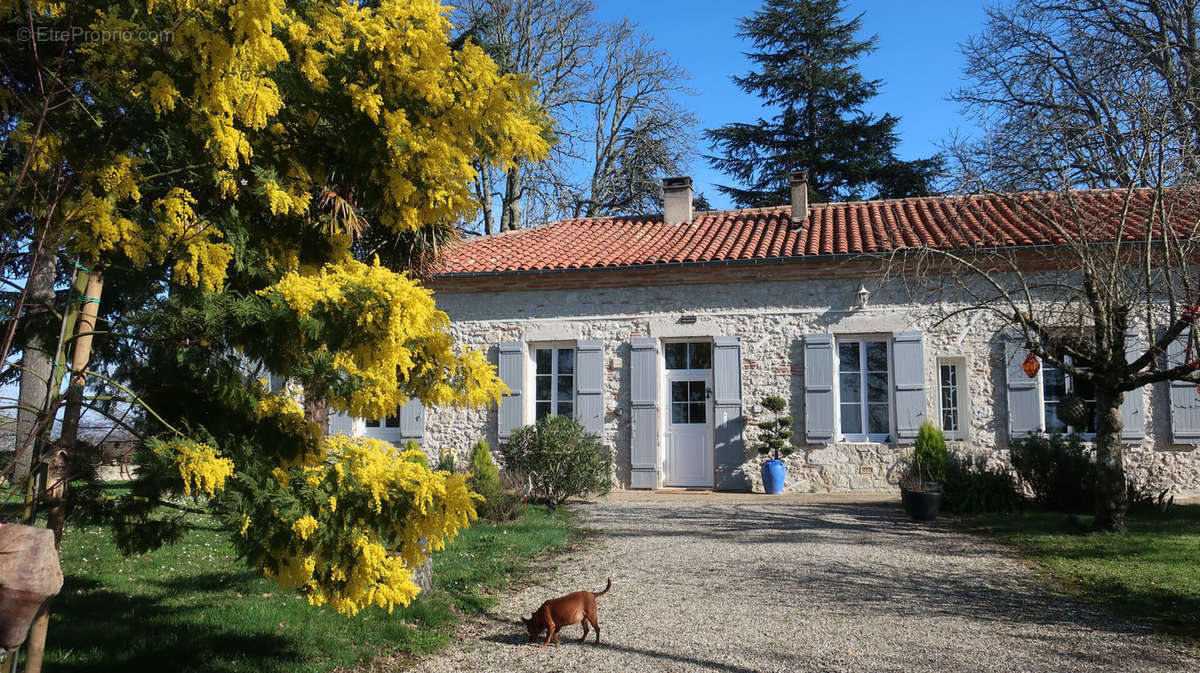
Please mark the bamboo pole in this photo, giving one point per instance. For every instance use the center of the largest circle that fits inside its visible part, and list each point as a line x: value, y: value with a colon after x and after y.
x: 57, y: 478
x: 79, y: 321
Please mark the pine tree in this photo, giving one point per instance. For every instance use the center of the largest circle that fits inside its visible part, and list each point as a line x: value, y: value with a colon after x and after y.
x: 806, y: 56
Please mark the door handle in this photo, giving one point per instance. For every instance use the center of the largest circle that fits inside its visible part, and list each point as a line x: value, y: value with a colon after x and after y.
x: 708, y: 393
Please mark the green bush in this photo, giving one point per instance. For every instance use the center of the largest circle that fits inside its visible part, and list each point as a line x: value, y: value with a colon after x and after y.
x: 560, y: 457
x: 498, y: 504
x: 1058, y: 471
x: 971, y: 487
x: 927, y: 468
x: 776, y: 433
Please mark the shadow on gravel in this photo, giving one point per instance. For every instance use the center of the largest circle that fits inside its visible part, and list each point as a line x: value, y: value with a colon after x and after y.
x: 693, y: 663
x: 754, y: 523
x: 904, y: 570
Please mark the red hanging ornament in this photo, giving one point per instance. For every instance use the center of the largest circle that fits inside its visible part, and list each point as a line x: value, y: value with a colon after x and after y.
x: 1031, y: 366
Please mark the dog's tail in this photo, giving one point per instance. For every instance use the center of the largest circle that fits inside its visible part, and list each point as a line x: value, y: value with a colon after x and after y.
x: 606, y: 588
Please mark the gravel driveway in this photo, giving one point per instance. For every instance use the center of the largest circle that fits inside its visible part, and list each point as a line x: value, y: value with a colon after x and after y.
x: 760, y: 585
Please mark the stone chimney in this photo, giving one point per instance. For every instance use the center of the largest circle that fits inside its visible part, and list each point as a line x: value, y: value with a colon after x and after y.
x: 677, y: 200
x: 799, y: 182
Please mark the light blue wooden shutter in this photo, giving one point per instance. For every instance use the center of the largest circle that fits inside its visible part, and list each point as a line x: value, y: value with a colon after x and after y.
x: 643, y: 416
x: 1185, y: 402
x: 1133, y: 416
x: 589, y: 386
x: 512, y: 373
x: 819, y: 409
x: 727, y: 412
x: 340, y: 423
x: 412, y: 421
x: 908, y: 356
x: 1024, y: 401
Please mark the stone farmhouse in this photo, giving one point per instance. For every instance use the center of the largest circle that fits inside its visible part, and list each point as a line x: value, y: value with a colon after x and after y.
x: 663, y: 333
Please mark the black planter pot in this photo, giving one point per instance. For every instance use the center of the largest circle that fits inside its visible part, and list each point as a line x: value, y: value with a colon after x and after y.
x: 921, y: 505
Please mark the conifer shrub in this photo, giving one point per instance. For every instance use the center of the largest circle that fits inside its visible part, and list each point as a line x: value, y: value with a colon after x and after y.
x: 929, y: 461
x: 445, y: 460
x: 776, y: 434
x: 498, y: 504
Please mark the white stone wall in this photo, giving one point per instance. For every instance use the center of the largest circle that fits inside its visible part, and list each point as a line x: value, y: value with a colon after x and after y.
x: 771, y: 318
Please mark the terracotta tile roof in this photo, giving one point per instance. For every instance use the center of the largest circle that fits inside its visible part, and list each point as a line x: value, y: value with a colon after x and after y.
x: 955, y: 222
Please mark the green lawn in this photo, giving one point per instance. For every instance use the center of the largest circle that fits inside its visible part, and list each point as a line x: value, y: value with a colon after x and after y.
x: 193, y: 606
x: 1149, y: 575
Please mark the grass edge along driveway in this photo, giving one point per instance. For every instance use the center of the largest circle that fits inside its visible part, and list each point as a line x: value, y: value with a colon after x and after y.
x: 1150, y: 575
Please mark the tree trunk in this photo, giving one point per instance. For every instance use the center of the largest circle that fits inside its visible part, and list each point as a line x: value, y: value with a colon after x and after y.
x: 37, y: 365
x: 1110, y: 486
x: 510, y: 212
x: 483, y: 190
x: 316, y: 410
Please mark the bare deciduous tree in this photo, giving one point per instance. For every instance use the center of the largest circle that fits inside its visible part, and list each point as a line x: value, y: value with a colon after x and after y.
x: 618, y: 126
x: 1082, y: 95
x: 639, y: 132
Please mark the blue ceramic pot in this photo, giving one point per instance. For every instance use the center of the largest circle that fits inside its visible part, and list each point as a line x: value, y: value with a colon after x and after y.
x: 774, y: 473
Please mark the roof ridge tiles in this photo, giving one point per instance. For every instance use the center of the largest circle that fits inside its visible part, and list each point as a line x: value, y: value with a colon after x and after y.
x: 763, y: 233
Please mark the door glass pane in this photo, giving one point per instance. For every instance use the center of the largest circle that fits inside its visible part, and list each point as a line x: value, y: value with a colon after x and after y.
x: 544, y: 386
x: 698, y: 409
x: 851, y: 419
x: 391, y: 422
x: 877, y: 356
x: 676, y: 356
x: 374, y: 423
x: 542, y: 409
x: 566, y: 388
x: 877, y: 419
x: 679, y: 412
x: 566, y: 409
x: 566, y: 361
x: 848, y: 357
x: 877, y: 388
x: 679, y: 391
x: 700, y: 355
x: 696, y: 391
x: 545, y: 360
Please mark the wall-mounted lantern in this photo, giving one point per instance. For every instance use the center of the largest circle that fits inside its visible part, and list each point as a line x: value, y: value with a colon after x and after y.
x: 863, y: 295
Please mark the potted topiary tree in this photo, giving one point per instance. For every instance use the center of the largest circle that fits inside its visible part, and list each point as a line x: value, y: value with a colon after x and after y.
x: 774, y: 441
x: 920, y: 487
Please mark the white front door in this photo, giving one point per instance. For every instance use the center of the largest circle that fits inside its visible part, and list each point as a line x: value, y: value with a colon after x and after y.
x: 689, y: 434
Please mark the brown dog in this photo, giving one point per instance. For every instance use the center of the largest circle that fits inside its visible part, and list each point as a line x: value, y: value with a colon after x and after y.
x: 556, y: 613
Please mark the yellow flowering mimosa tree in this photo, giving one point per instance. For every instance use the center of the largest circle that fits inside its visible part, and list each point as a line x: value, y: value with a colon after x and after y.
x: 217, y: 159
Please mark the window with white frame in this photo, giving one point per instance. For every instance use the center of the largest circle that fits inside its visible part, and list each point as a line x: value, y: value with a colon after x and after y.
x: 864, y: 390
x: 952, y: 396
x: 1057, y: 384
x: 389, y: 422
x: 554, y: 382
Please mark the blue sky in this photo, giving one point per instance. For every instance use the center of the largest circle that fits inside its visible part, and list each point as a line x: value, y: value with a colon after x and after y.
x: 917, y: 58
